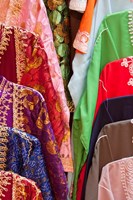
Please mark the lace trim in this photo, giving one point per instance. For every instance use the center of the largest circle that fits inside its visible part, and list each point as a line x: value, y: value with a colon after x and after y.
x: 5, y: 39
x: 78, y: 6
x: 128, y: 64
x: 126, y: 168
x: 130, y: 25
x: 81, y: 41
x: 5, y: 180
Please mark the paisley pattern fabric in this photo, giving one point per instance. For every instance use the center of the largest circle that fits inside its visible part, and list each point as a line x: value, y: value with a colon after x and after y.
x: 14, y: 186
x: 59, y: 20
x: 25, y: 109
x: 26, y: 55
x: 22, y: 155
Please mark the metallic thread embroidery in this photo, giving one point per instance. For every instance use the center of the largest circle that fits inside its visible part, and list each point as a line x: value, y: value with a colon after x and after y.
x: 4, y: 182
x: 5, y: 39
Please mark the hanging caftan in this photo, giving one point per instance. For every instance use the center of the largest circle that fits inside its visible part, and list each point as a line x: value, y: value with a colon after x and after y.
x: 58, y: 14
x: 112, y: 188
x: 25, y: 109
x: 109, y: 147
x: 111, y: 44
x: 22, y: 154
x: 81, y: 62
x: 16, y: 187
x: 107, y: 114
x: 25, y: 53
x: 32, y: 16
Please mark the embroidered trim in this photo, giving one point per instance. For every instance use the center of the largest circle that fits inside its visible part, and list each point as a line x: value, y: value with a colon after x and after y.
x: 3, y: 147
x: 24, y: 136
x: 126, y: 169
x: 78, y: 6
x: 128, y: 64
x: 18, y: 108
x: 5, y: 39
x: 5, y: 178
x: 20, y: 53
x: 81, y: 41
x: 130, y: 25
x: 5, y: 101
x: 18, y: 191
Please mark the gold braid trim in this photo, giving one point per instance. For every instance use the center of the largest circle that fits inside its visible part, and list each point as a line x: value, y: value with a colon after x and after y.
x: 5, y: 101
x: 18, y: 108
x: 3, y: 147
x: 5, y: 39
x: 19, y: 192
x: 20, y: 52
x: 5, y: 180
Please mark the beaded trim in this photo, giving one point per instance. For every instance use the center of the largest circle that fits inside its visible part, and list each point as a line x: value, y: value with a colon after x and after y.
x: 130, y: 25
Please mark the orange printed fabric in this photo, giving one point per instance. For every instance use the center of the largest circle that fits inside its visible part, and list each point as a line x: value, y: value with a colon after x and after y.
x: 83, y: 34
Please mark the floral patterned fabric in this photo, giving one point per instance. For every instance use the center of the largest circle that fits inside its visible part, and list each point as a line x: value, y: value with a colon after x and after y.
x: 25, y: 109
x: 59, y: 20
x: 13, y: 186
x: 32, y: 16
x: 26, y: 55
x: 22, y: 155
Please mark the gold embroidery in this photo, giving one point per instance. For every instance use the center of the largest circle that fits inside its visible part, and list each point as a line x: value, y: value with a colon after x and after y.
x: 20, y: 53
x: 5, y: 39
x: 51, y: 147
x: 5, y: 101
x: 19, y: 188
x: 3, y: 147
x: 5, y: 180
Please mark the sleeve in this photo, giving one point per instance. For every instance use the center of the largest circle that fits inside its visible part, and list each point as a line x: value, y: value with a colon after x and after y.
x: 50, y: 150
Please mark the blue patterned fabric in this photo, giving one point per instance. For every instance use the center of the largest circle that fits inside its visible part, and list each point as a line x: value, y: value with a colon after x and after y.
x: 24, y: 157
